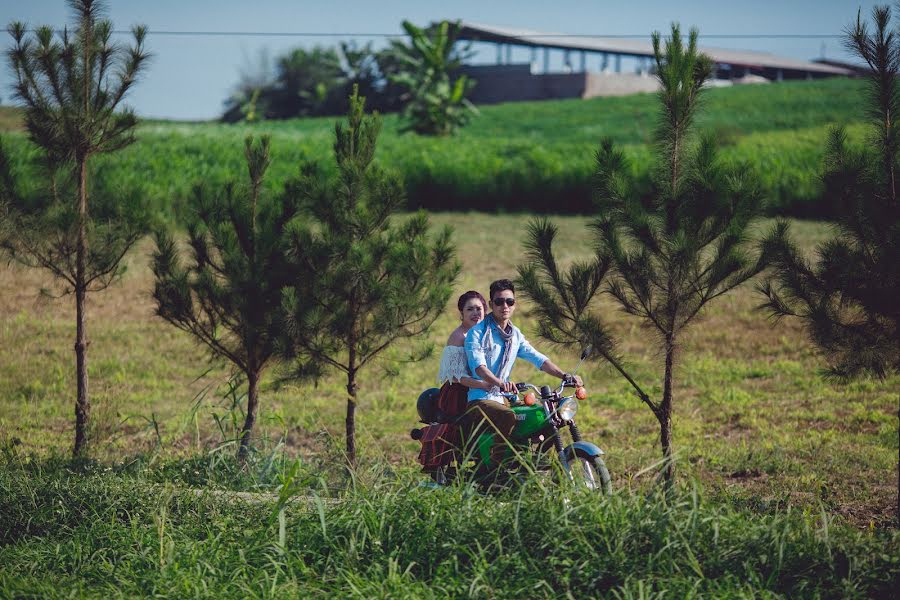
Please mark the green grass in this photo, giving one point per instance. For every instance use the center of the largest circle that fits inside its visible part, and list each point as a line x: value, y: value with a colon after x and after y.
x: 530, y: 156
x: 89, y: 532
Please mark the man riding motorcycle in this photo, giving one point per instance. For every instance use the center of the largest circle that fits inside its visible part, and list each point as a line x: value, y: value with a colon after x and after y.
x: 492, y: 346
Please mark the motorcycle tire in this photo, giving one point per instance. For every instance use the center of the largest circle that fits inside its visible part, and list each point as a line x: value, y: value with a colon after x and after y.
x: 590, y: 471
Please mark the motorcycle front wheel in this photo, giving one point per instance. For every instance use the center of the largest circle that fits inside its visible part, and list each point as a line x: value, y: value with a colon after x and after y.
x: 590, y: 472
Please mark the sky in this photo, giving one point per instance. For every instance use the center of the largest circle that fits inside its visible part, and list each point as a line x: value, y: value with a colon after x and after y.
x: 189, y: 77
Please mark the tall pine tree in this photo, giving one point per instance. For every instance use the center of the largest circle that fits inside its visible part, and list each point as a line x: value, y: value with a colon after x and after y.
x: 848, y: 295
x: 668, y: 252
x: 72, y: 86
x: 228, y: 296
x: 363, y: 280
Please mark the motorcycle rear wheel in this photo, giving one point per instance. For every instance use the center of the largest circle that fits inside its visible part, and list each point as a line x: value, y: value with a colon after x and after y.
x: 590, y: 472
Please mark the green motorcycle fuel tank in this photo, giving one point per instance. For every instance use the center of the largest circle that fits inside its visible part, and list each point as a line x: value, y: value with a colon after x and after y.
x: 529, y: 421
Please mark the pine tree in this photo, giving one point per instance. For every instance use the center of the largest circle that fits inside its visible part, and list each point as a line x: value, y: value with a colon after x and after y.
x: 228, y: 296
x: 668, y: 252
x: 72, y: 86
x: 363, y: 280
x: 847, y: 296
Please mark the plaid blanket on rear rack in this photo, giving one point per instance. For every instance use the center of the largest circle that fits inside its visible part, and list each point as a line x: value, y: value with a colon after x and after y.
x: 438, y: 444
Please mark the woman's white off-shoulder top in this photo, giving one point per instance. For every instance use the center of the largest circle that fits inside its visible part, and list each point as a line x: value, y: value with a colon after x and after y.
x: 453, y: 365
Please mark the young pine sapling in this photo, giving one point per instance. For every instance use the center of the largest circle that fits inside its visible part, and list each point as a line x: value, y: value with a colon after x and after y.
x: 363, y: 281
x: 77, y: 228
x: 664, y: 254
x: 848, y: 297
x: 228, y: 295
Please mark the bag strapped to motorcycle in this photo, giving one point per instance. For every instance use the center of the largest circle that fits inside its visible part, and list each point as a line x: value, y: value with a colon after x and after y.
x: 441, y: 440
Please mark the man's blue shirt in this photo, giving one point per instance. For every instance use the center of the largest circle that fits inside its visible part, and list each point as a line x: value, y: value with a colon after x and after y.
x: 479, y: 352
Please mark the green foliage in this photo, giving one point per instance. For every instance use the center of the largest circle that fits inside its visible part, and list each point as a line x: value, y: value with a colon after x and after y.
x: 71, y: 87
x: 389, y: 539
x: 314, y: 82
x: 369, y: 71
x: 42, y: 224
x: 229, y: 294
x: 847, y: 296
x: 436, y: 103
x: 362, y: 281
x: 306, y: 83
x: 671, y: 248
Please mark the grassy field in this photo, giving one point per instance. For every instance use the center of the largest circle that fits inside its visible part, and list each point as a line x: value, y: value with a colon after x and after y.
x: 753, y: 418
x: 65, y: 534
x: 529, y: 156
x: 788, y: 481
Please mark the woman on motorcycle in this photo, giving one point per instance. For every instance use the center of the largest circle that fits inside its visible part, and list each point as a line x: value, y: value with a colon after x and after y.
x: 453, y: 373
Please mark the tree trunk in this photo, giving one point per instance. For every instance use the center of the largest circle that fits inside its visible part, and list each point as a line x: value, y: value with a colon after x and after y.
x: 351, y: 418
x: 250, y: 420
x: 82, y: 401
x: 665, y: 417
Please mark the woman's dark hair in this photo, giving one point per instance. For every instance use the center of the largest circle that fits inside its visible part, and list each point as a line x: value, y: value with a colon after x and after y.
x: 500, y: 285
x: 468, y: 296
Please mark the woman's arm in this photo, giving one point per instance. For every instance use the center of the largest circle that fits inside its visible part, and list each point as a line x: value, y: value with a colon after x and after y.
x: 474, y: 383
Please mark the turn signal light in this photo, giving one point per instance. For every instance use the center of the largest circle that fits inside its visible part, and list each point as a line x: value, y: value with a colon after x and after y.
x: 529, y: 399
x: 581, y: 393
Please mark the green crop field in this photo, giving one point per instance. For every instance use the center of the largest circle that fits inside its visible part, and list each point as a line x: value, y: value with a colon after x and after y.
x: 788, y: 481
x: 529, y: 156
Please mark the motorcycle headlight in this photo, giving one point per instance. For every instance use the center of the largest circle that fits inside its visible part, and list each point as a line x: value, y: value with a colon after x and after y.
x: 567, y: 409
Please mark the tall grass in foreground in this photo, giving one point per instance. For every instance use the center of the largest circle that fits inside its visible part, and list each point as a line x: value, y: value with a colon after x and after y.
x: 113, y: 534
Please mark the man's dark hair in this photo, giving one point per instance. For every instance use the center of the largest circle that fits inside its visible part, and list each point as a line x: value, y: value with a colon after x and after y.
x: 468, y: 296
x: 500, y: 285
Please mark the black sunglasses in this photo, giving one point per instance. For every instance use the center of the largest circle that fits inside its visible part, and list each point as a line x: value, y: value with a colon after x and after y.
x: 508, y: 301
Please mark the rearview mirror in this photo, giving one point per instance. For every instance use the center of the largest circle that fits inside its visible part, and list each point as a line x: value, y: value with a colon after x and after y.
x: 587, y: 351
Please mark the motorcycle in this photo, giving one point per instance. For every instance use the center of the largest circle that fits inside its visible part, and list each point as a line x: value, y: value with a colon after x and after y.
x: 541, y: 416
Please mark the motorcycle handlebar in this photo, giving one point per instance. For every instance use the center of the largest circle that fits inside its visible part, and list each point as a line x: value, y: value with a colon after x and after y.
x: 523, y: 386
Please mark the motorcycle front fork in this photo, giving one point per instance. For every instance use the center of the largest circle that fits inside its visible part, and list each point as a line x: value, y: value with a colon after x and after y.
x: 557, y: 443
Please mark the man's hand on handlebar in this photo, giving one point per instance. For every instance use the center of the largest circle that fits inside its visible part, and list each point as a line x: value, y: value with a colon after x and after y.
x: 572, y: 380
x: 508, y: 387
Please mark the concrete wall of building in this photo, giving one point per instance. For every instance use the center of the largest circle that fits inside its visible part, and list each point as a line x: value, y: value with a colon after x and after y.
x: 618, y: 84
x: 511, y: 83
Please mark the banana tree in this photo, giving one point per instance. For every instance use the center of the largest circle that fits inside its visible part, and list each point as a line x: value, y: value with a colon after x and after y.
x: 435, y: 101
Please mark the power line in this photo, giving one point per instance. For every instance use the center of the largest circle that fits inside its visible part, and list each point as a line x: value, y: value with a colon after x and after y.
x: 540, y: 35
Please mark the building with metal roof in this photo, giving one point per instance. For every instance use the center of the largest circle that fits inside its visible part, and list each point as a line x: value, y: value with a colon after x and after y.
x: 534, y: 80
